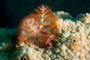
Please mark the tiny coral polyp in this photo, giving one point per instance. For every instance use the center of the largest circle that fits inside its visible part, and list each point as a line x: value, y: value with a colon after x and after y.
x: 37, y: 26
x: 75, y: 43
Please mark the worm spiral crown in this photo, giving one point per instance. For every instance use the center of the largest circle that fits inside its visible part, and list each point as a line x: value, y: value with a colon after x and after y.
x: 37, y: 26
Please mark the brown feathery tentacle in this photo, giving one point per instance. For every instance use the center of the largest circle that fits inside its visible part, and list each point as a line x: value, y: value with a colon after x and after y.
x: 38, y: 33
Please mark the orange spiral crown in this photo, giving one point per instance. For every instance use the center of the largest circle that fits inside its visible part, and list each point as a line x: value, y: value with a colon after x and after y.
x: 38, y: 26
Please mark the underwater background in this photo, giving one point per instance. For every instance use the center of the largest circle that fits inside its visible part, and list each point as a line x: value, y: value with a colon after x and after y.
x: 12, y: 11
x: 60, y: 34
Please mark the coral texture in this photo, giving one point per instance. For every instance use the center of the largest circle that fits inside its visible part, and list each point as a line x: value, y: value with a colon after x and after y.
x: 73, y: 40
